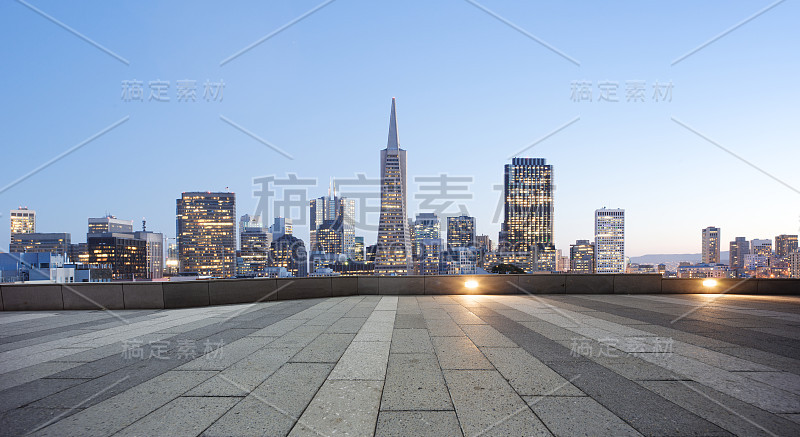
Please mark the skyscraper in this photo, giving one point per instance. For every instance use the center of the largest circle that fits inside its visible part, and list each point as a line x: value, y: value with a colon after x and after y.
x: 761, y: 247
x: 784, y: 245
x: 483, y: 242
x: 333, y: 214
x: 289, y: 252
x: 23, y: 220
x: 280, y: 227
x: 711, y: 243
x: 739, y: 247
x: 206, y: 233
x: 461, y: 231
x: 254, y: 247
x: 393, y: 255
x: 609, y: 240
x: 581, y: 257
x: 528, y: 212
x: 794, y: 264
x: 426, y: 225
x: 154, y: 257
x: 358, y: 250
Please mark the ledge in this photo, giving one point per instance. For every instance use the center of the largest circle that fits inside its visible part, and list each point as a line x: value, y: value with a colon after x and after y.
x: 185, y: 294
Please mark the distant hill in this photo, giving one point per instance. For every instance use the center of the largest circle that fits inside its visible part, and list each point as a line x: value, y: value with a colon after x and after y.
x: 674, y: 258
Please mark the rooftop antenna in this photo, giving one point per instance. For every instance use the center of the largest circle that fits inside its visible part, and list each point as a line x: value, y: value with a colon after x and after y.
x: 144, y: 224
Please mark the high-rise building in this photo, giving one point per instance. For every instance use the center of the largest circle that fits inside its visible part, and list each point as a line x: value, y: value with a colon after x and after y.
x: 206, y: 233
x: 281, y: 226
x: 427, y: 226
x: 109, y: 223
x: 173, y: 259
x: 23, y: 220
x: 711, y: 243
x: 461, y: 231
x: 546, y: 258
x: 581, y: 257
x: 609, y: 240
x: 460, y: 260
x: 528, y: 212
x: 430, y: 256
x: 739, y: 247
x: 784, y: 245
x: 394, y: 244
x: 761, y: 247
x: 126, y: 254
x: 254, y: 248
x: 289, y: 252
x: 483, y: 242
x: 41, y: 242
x: 78, y: 253
x: 154, y: 255
x: 794, y: 264
x: 333, y: 214
x: 329, y: 239
x: 358, y: 250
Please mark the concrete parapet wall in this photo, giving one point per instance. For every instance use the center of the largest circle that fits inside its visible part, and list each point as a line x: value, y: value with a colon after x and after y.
x: 161, y: 295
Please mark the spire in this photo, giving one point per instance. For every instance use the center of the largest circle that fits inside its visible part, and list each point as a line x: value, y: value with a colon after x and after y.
x: 393, y: 142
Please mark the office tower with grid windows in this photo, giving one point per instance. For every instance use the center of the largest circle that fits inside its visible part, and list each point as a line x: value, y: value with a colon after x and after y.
x: 739, y: 247
x: 710, y: 245
x: 333, y: 224
x: 206, y: 233
x: 23, y: 220
x: 609, y: 240
x: 393, y: 255
x: 461, y: 231
x: 581, y: 257
x: 528, y: 212
x: 784, y: 245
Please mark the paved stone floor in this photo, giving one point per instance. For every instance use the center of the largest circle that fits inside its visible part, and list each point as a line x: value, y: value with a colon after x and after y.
x: 672, y: 365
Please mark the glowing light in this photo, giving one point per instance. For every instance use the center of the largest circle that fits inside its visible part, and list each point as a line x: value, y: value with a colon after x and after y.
x: 709, y: 283
x: 471, y: 284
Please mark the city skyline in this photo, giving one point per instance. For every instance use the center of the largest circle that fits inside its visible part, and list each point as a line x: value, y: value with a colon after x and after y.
x: 451, y: 126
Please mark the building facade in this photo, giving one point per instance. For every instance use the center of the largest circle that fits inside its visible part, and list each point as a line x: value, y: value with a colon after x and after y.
x: 794, y: 264
x: 40, y: 242
x: 154, y: 246
x: 333, y: 213
x: 280, y: 227
x: 126, y: 254
x: 206, y: 233
x: 254, y: 249
x: 609, y: 240
x: 710, y: 245
x: 426, y: 226
x: 461, y: 231
x: 23, y: 221
x: 739, y: 247
x: 528, y: 200
x: 784, y: 245
x: 581, y: 257
x: 394, y: 244
x: 761, y: 247
x: 109, y: 223
x: 289, y: 252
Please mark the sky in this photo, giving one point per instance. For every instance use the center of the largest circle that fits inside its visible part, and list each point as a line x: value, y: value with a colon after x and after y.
x: 476, y: 83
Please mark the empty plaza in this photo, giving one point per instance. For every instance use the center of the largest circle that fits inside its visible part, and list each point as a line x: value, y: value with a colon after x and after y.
x: 615, y: 365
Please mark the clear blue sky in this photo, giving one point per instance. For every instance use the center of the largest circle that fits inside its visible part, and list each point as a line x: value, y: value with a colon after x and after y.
x: 471, y: 91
